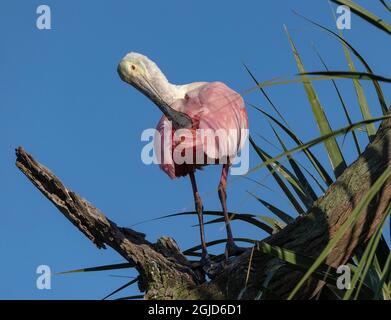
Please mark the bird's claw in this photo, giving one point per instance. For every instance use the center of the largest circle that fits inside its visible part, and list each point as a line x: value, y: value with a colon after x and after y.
x: 206, y: 266
x: 231, y: 249
x: 205, y: 261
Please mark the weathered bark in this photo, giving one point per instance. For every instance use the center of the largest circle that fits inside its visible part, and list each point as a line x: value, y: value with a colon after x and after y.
x: 166, y: 274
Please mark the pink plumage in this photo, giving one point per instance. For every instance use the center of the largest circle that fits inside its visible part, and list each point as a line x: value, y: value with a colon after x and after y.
x: 211, y: 106
x: 218, y: 129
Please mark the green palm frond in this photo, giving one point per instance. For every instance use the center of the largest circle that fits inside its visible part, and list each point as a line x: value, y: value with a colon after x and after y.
x: 335, y: 155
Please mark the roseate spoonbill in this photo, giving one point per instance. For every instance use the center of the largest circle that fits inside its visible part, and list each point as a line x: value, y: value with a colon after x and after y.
x: 198, y: 105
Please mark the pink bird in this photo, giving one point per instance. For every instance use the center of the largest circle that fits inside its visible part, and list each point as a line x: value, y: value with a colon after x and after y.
x: 200, y: 108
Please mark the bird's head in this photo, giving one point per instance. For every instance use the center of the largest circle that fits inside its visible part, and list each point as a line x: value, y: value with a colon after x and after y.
x: 137, y: 70
x: 143, y: 74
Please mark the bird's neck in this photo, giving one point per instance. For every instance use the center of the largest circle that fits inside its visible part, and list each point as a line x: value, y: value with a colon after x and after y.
x: 162, y: 91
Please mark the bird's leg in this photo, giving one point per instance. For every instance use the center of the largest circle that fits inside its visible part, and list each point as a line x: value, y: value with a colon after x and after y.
x: 231, y: 248
x: 205, y: 260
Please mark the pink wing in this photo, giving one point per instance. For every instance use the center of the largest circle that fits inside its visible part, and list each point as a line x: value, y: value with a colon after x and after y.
x: 214, y: 108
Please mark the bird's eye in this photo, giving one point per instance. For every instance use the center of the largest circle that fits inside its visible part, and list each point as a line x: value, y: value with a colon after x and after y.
x: 133, y: 67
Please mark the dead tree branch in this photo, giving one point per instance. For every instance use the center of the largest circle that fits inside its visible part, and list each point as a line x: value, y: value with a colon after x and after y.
x: 165, y: 273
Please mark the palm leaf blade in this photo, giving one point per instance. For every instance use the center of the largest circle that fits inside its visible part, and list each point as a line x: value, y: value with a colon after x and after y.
x: 358, y: 210
x: 333, y: 150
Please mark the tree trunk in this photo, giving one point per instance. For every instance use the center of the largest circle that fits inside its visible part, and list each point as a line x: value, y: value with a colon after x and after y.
x: 165, y: 273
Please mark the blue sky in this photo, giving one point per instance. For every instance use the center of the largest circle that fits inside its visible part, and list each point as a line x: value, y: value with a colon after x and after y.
x: 61, y: 98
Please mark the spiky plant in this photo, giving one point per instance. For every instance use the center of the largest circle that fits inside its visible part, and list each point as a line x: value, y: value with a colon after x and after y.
x: 302, y: 185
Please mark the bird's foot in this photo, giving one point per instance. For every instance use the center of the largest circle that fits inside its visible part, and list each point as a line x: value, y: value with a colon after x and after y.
x: 205, y: 262
x: 206, y: 266
x: 231, y: 249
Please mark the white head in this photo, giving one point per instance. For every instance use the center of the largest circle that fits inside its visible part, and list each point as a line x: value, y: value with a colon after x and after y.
x: 143, y: 74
